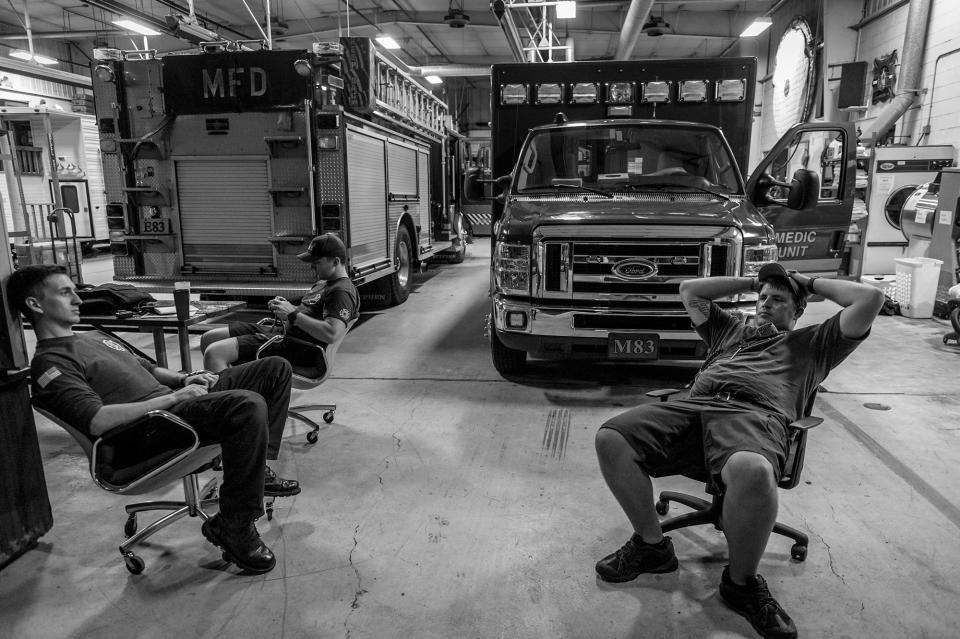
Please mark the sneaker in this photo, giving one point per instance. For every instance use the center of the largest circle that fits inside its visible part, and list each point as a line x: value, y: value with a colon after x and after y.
x: 638, y: 557
x: 754, y: 602
x: 274, y: 486
x: 241, y: 544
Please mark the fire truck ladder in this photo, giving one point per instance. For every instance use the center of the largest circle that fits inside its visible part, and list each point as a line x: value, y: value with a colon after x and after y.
x: 406, y: 99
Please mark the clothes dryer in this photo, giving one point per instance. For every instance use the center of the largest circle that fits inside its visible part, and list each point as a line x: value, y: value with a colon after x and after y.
x: 895, y: 173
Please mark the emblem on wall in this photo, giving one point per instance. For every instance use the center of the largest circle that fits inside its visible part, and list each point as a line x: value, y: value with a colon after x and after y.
x: 884, y: 77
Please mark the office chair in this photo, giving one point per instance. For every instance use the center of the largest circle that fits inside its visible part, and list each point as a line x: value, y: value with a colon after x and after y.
x: 142, y: 457
x: 311, y: 364
x: 709, y: 512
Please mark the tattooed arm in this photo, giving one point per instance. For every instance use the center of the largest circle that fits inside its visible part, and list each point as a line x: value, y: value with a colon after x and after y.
x: 699, y: 293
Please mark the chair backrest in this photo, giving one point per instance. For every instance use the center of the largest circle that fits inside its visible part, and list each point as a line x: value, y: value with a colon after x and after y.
x: 143, y: 456
x: 325, y: 355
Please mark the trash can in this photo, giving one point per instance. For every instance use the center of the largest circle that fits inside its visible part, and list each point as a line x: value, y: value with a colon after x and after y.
x: 915, y: 289
x: 883, y: 282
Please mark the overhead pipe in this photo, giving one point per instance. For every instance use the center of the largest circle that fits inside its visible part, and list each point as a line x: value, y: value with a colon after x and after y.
x: 908, y: 85
x: 637, y: 16
x: 451, y: 70
x: 509, y: 27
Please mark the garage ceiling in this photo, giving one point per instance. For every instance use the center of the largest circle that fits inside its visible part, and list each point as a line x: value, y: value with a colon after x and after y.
x: 69, y: 29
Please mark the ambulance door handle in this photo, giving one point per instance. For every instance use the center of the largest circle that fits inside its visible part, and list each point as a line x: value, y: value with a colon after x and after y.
x: 836, y: 242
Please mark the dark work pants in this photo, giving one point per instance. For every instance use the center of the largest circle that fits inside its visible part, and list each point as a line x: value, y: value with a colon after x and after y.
x: 245, y: 412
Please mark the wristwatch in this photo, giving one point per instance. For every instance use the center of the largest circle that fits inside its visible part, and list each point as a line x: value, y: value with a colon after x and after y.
x: 292, y: 317
x: 810, y: 283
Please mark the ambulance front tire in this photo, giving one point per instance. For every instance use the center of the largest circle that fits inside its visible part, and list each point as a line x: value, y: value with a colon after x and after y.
x: 507, y: 361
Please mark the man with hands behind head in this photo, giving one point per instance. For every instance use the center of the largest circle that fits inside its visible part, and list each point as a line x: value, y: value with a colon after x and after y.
x: 731, y: 432
x: 95, y: 384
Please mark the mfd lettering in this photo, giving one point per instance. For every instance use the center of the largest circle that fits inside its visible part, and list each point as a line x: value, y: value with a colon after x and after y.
x: 230, y: 82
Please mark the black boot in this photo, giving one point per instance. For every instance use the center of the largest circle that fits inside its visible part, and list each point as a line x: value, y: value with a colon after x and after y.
x: 241, y: 544
x: 274, y: 486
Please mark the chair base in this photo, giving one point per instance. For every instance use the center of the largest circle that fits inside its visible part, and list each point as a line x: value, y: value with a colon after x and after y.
x: 195, y: 500
x: 709, y: 512
x: 296, y: 412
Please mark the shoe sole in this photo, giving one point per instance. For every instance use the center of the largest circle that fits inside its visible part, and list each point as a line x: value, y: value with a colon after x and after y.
x: 229, y: 557
x: 669, y: 566
x: 281, y: 493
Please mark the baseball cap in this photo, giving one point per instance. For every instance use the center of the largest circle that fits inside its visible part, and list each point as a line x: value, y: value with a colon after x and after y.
x: 775, y: 271
x: 326, y: 245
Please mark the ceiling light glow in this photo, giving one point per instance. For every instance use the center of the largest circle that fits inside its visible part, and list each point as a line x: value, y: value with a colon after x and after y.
x: 566, y: 9
x: 387, y: 42
x: 757, y: 27
x: 136, y: 27
x: 433, y: 79
x: 20, y: 54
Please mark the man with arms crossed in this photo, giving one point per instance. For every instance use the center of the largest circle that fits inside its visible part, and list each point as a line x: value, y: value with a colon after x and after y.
x: 731, y: 430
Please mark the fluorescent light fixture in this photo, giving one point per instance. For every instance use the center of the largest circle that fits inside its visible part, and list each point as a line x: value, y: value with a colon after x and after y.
x: 758, y: 26
x: 566, y: 9
x: 43, y: 59
x: 20, y: 54
x: 387, y: 42
x: 136, y: 27
x: 433, y: 79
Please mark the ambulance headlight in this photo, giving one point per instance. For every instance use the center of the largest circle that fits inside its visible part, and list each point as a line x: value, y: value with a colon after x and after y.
x: 754, y: 257
x: 511, y: 268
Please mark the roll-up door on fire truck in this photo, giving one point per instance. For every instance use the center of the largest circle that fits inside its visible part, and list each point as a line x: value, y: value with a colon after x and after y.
x: 367, y: 194
x: 226, y: 214
x: 423, y: 174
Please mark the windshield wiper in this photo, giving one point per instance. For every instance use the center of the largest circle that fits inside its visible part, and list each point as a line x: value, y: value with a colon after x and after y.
x: 666, y: 186
x: 575, y: 187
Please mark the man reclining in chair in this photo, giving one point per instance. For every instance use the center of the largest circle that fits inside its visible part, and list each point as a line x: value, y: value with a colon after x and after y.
x: 95, y: 384
x: 321, y: 318
x: 731, y: 430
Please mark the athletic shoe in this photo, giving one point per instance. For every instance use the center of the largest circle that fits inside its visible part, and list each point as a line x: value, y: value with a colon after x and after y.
x: 754, y: 602
x: 638, y: 557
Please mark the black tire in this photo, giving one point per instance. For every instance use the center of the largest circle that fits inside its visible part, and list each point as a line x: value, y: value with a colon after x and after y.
x: 507, y: 361
x: 402, y: 279
x: 312, y: 437
x: 328, y: 416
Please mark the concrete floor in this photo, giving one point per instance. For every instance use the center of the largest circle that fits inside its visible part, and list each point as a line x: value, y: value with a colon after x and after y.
x: 432, y: 506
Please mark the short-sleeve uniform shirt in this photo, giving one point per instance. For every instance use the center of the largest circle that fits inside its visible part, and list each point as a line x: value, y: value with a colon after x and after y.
x: 332, y: 298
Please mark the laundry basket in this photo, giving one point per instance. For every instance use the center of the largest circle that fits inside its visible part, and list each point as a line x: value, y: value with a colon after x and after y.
x: 915, y: 289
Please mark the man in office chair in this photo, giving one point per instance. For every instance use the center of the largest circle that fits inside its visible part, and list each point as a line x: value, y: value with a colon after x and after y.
x: 322, y: 316
x: 95, y: 384
x: 731, y: 430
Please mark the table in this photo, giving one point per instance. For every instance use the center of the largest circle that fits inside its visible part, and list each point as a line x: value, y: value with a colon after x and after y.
x: 158, y: 324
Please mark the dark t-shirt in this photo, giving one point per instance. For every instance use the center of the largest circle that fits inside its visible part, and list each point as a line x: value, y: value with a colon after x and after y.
x: 75, y: 376
x: 774, y: 370
x: 333, y: 298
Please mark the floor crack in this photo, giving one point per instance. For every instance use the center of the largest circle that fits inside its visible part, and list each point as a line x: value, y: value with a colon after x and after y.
x: 829, y: 554
x: 360, y: 592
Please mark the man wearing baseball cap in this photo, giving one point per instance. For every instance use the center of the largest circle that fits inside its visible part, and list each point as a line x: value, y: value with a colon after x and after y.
x: 730, y: 432
x: 321, y: 317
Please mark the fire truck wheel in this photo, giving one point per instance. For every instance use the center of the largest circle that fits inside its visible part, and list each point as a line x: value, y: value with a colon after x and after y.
x: 400, y: 281
x: 507, y: 361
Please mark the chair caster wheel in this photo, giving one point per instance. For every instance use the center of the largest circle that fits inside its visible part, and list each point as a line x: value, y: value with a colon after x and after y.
x: 328, y: 416
x: 663, y: 507
x: 130, y: 526
x: 798, y: 552
x: 134, y: 563
x: 312, y: 437
x: 269, y: 513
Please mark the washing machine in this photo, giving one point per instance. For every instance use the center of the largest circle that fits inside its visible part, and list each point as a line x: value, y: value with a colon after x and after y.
x: 895, y: 172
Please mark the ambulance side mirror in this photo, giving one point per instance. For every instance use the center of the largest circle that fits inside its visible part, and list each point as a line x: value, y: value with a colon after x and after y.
x: 800, y: 193
x: 504, y: 183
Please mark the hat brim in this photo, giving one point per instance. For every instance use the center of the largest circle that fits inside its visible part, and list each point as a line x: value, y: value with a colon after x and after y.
x: 307, y: 256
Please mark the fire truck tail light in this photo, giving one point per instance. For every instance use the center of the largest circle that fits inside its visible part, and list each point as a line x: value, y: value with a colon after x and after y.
x: 731, y: 91
x: 658, y: 91
x: 327, y: 142
x: 693, y: 91
x: 104, y: 73
x: 303, y: 68
x: 513, y: 94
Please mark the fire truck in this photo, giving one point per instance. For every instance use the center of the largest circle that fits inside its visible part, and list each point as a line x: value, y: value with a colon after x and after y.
x: 621, y: 179
x: 222, y: 164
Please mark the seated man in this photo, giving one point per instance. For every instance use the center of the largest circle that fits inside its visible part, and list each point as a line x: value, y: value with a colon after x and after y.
x: 95, y: 384
x: 322, y: 316
x: 731, y: 430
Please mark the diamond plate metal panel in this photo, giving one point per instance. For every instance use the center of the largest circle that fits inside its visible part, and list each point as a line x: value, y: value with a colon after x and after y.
x: 123, y: 266
x: 330, y: 175
x: 290, y: 220
x: 161, y: 264
x: 112, y: 176
x: 290, y: 268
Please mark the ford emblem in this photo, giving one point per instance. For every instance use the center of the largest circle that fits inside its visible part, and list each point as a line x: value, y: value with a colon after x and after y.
x: 635, y: 269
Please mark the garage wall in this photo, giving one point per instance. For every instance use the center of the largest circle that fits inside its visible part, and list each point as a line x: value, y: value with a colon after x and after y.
x: 943, y: 97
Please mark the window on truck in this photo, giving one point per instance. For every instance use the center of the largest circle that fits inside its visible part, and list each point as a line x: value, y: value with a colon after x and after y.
x: 626, y: 155
x: 820, y: 151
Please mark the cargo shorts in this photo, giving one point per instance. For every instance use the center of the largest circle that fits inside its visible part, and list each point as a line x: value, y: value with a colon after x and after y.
x: 695, y: 437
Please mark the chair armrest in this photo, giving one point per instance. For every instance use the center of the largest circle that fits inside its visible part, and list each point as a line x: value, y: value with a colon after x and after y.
x: 663, y: 393
x: 269, y: 321
x: 806, y: 423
